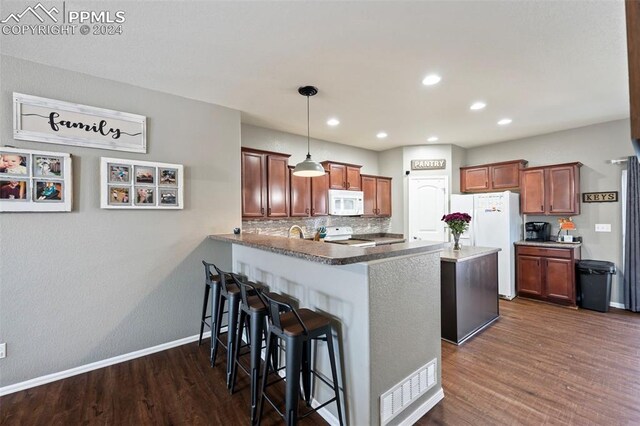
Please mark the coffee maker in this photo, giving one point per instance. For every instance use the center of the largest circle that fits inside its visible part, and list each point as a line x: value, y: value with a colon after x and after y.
x: 537, y: 231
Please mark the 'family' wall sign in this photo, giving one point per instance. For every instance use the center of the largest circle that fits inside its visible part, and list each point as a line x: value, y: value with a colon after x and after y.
x: 47, y: 120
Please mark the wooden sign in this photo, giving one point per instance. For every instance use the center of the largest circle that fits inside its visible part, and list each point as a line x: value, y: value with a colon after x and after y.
x: 600, y: 197
x: 47, y: 120
x: 428, y: 164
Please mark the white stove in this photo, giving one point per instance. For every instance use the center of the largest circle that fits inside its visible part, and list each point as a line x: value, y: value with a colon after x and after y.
x: 342, y: 235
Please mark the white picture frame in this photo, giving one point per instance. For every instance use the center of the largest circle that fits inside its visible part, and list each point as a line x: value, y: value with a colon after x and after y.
x: 44, y: 180
x: 142, y: 188
x: 65, y: 123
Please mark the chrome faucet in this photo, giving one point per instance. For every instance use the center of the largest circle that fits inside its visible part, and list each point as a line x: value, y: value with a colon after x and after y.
x: 300, y: 232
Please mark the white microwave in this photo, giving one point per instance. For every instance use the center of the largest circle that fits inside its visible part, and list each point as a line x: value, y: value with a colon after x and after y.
x: 346, y: 203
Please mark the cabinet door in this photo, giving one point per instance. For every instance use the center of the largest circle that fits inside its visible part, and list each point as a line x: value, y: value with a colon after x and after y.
x: 300, y: 195
x: 561, y: 189
x: 277, y: 186
x: 529, y: 275
x: 505, y: 176
x: 476, y: 179
x: 253, y: 185
x: 337, y: 176
x: 369, y: 191
x: 532, y: 191
x: 353, y: 178
x: 383, y: 196
x: 559, y: 278
x: 320, y: 195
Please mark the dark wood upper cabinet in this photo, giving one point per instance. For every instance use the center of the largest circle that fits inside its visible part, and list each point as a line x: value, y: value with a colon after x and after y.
x: 384, y: 196
x: 265, y: 184
x: 491, y: 177
x: 370, y: 196
x: 633, y: 47
x: 343, y: 175
x: 377, y: 195
x: 253, y: 184
x: 551, y: 190
x: 309, y: 196
x: 532, y: 191
x: 300, y: 195
x: 320, y: 195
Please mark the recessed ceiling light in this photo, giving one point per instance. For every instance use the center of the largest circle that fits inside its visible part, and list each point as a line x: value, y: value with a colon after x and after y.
x: 381, y: 135
x: 433, y: 139
x: 504, y: 121
x: 431, y: 79
x: 477, y: 105
x: 333, y: 122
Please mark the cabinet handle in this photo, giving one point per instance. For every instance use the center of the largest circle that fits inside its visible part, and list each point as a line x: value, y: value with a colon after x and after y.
x: 262, y: 210
x: 313, y: 211
x: 551, y: 207
x: 306, y: 210
x: 541, y: 208
x: 269, y: 211
x: 348, y: 185
x: 344, y: 185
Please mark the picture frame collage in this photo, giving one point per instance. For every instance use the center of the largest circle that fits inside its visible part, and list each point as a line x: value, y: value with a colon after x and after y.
x: 33, y: 180
x: 131, y: 184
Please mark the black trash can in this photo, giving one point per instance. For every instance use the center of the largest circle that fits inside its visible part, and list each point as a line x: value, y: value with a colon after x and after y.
x: 594, y: 284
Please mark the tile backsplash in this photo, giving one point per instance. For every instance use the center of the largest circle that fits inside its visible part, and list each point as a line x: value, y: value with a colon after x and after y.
x: 280, y: 227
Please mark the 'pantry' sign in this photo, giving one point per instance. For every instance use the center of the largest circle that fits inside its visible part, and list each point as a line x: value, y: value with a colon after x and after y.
x: 428, y: 164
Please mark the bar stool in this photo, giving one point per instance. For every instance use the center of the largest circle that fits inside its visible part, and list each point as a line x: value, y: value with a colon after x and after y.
x: 211, y: 280
x: 297, y: 328
x: 253, y: 312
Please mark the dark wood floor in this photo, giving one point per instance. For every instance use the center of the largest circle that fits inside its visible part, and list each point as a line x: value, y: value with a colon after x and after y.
x: 539, y: 364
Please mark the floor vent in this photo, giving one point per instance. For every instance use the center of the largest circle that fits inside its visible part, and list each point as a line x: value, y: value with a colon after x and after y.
x: 396, y: 399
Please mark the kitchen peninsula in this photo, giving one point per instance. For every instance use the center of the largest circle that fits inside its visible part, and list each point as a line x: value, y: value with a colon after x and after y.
x: 385, y: 302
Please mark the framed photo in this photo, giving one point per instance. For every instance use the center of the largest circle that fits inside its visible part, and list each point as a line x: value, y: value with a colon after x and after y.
x: 119, y: 173
x: 144, y: 195
x: 52, y: 121
x: 119, y: 195
x: 167, y: 176
x: 14, y: 189
x: 47, y: 166
x: 168, y: 197
x: 132, y: 184
x: 35, y: 181
x: 48, y: 191
x: 145, y: 175
x: 14, y: 163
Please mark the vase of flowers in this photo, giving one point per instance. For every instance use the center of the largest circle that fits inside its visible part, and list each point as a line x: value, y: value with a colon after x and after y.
x: 458, y: 223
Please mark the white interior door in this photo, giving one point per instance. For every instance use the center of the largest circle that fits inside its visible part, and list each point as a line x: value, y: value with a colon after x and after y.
x: 427, y: 204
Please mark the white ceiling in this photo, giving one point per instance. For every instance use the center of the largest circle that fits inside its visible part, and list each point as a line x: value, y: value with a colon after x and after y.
x: 548, y: 65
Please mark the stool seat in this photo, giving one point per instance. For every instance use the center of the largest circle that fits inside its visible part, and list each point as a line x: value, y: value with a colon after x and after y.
x: 256, y: 304
x: 233, y: 289
x: 216, y: 278
x: 313, y: 320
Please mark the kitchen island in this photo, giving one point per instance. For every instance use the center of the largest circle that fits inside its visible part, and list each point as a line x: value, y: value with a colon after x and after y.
x: 469, y: 291
x: 385, y: 305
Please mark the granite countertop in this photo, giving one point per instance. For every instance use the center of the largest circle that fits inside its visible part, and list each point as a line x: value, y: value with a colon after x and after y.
x: 553, y: 244
x: 330, y: 254
x: 465, y: 253
x: 382, y: 238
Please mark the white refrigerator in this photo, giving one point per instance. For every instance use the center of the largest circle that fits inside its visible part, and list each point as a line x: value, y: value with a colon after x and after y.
x: 495, y: 222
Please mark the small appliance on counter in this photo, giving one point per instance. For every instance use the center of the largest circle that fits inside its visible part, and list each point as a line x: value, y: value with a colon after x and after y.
x: 537, y: 231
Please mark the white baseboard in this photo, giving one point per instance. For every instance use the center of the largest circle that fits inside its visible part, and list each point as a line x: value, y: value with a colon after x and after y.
x: 423, y: 408
x: 98, y: 364
x: 617, y: 305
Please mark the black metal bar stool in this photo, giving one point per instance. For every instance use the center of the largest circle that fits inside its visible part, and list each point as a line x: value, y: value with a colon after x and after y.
x: 253, y: 313
x: 212, y: 286
x: 297, y: 328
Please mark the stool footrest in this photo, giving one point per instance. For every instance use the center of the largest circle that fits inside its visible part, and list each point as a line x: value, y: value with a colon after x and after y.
x: 313, y: 410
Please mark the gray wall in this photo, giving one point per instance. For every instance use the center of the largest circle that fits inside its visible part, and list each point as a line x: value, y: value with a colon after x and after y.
x: 296, y: 145
x: 592, y: 146
x: 88, y: 285
x: 391, y: 165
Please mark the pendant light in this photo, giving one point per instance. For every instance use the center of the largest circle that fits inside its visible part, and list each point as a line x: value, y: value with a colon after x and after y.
x: 308, y: 168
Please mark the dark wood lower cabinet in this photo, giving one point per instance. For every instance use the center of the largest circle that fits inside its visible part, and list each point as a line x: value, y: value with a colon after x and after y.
x: 547, y: 273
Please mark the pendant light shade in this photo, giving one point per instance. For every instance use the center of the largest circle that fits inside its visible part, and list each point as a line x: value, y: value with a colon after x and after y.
x: 308, y: 168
